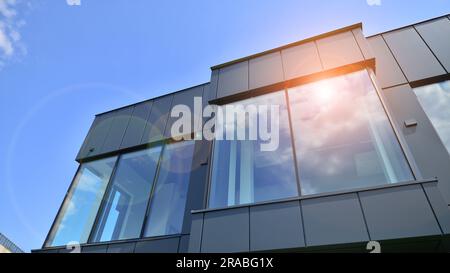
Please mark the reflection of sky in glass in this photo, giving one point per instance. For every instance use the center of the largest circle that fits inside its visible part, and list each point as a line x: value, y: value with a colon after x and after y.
x: 123, y: 214
x: 242, y: 173
x: 343, y: 137
x: 169, y: 197
x: 78, y: 213
x: 435, y: 100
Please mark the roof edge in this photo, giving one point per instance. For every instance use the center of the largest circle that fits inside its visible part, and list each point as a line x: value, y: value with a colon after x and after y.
x: 307, y: 40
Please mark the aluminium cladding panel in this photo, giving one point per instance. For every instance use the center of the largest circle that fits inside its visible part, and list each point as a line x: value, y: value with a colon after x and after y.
x: 127, y: 247
x: 339, y: 50
x: 387, y: 70
x: 424, y: 143
x: 94, y: 249
x: 333, y: 220
x: 211, y: 89
x: 436, y: 34
x: 157, y: 120
x: 183, y: 247
x: 398, y: 212
x: 301, y: 60
x: 226, y: 231
x: 186, y: 97
x: 195, y: 238
x: 363, y: 44
x: 413, y: 55
x: 117, y: 131
x: 97, y: 135
x: 276, y: 226
x: 167, y: 245
x: 265, y: 70
x: 136, y: 126
x: 440, y: 208
x: 233, y: 79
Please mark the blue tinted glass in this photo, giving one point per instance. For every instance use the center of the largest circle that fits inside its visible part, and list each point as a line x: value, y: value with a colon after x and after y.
x: 343, y: 137
x: 169, y: 197
x: 124, y: 210
x: 78, y: 212
x: 435, y: 100
x: 243, y: 172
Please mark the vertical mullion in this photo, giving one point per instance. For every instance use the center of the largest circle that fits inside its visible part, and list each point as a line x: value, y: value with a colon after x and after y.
x: 103, y: 202
x: 294, y: 150
x: 154, y: 184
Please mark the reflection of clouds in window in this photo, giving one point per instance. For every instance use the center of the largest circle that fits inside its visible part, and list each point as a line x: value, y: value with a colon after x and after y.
x: 243, y: 173
x: 343, y: 137
x: 435, y: 100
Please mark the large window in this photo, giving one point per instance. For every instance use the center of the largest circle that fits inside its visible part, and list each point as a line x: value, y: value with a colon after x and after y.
x: 343, y: 137
x: 78, y: 212
x: 168, y: 203
x: 244, y: 173
x: 435, y: 100
x: 125, y: 207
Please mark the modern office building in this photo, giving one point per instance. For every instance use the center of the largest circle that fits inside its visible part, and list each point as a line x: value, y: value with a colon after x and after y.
x: 363, y: 155
x: 7, y: 246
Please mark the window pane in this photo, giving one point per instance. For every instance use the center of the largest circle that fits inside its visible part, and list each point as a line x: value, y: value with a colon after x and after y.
x: 124, y: 211
x: 343, y: 137
x: 78, y: 213
x: 435, y: 100
x: 243, y: 173
x: 169, y: 197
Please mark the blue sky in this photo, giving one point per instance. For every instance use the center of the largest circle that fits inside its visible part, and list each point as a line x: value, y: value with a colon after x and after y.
x: 61, y: 64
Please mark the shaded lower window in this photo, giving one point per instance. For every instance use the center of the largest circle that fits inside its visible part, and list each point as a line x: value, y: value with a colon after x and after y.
x: 168, y: 202
x: 343, y: 137
x: 244, y: 173
x: 435, y: 100
x: 81, y: 205
x: 124, y: 210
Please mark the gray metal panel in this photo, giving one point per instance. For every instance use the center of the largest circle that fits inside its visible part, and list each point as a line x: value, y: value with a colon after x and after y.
x: 121, y: 248
x: 423, y: 141
x: 136, y: 126
x: 276, y: 226
x: 301, y: 60
x: 169, y: 245
x: 117, y: 130
x: 441, y: 209
x: 186, y: 97
x: 363, y: 44
x: 265, y: 70
x: 436, y: 34
x: 99, y: 134
x: 333, y: 220
x: 94, y: 249
x: 398, y: 212
x: 184, y: 244
x: 211, y: 91
x: 84, y: 150
x: 413, y: 55
x: 226, y: 231
x: 338, y: 50
x: 156, y: 123
x: 195, y: 239
x: 387, y: 70
x: 233, y: 79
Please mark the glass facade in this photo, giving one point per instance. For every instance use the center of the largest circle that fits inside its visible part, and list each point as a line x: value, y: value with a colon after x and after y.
x: 343, y: 137
x: 435, y: 100
x: 330, y: 135
x: 126, y: 203
x: 243, y: 173
x: 77, y: 215
x: 169, y: 197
